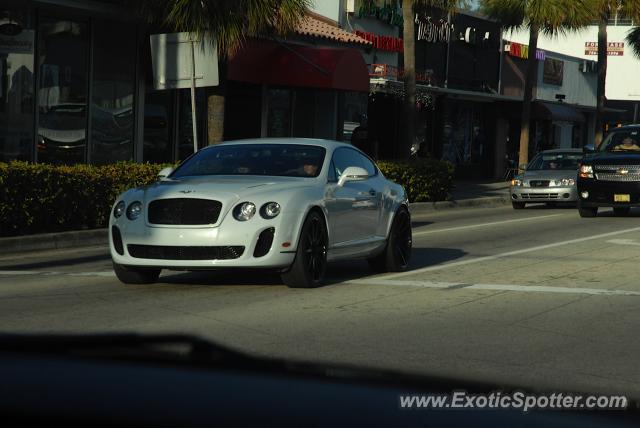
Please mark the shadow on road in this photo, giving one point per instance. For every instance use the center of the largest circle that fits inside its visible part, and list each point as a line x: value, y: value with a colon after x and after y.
x: 336, y: 272
x: 59, y: 262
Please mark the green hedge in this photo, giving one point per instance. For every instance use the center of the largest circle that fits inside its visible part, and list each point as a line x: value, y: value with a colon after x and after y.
x: 425, y: 180
x: 38, y: 198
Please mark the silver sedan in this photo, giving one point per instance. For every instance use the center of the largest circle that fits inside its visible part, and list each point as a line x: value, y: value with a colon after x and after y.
x: 290, y: 205
x: 550, y: 177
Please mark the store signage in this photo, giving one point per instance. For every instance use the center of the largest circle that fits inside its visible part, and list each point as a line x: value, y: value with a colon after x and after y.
x: 433, y: 31
x: 522, y: 51
x: 18, y: 44
x: 613, y: 48
x: 385, y: 43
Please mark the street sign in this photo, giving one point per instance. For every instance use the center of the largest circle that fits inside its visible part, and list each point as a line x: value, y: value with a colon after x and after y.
x: 181, y: 60
x: 173, y: 61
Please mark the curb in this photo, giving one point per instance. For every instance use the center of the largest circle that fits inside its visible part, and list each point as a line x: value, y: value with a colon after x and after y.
x: 492, y: 201
x: 53, y: 241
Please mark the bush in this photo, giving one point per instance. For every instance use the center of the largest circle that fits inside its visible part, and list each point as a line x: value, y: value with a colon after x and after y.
x: 425, y: 180
x: 37, y: 198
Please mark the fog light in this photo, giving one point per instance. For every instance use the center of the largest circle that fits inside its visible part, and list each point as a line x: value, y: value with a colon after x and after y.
x: 584, y: 195
x: 514, y: 196
x: 566, y: 195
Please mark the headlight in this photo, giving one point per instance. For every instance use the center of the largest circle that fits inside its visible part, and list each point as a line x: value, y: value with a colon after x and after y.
x: 134, y: 210
x: 118, y: 210
x: 270, y: 210
x: 564, y: 182
x: 515, y: 182
x: 244, y: 211
x: 586, y: 171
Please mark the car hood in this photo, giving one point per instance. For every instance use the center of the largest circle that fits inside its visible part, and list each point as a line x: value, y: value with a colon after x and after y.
x: 609, y: 158
x: 226, y: 189
x: 549, y: 174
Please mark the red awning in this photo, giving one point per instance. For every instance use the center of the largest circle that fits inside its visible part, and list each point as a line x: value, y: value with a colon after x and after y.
x: 271, y: 63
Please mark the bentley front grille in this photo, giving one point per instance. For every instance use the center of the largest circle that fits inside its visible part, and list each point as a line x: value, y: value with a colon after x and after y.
x: 184, y: 211
x: 184, y: 253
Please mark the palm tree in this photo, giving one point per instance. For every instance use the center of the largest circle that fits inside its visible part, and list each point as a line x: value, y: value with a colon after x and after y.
x: 539, y: 16
x: 409, y: 36
x: 604, y: 10
x: 227, y: 23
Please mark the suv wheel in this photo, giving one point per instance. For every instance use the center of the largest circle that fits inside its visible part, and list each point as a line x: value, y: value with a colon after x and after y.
x: 588, y: 211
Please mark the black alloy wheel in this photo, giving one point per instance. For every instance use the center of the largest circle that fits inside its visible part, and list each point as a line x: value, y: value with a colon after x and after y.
x: 310, y: 264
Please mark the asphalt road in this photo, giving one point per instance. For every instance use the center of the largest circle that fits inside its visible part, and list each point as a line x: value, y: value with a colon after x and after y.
x: 539, y: 298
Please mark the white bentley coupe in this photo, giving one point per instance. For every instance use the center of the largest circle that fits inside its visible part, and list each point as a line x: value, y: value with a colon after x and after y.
x: 291, y: 205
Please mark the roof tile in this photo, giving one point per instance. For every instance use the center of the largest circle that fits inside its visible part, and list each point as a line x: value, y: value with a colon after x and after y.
x: 310, y: 26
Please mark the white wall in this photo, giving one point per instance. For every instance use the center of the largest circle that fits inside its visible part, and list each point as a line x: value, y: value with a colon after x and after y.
x: 623, y: 82
x: 327, y: 8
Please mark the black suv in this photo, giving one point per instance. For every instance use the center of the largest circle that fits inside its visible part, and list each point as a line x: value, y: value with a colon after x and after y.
x: 610, y: 175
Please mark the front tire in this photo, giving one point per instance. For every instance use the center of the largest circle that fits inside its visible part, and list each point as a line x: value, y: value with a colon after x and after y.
x: 397, y: 252
x: 587, y: 211
x: 128, y: 275
x: 310, y: 265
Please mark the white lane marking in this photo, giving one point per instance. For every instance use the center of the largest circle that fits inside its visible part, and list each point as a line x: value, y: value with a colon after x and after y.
x: 49, y: 273
x: 497, y: 287
x: 509, y: 253
x: 20, y: 272
x: 493, y: 223
x: 624, y: 242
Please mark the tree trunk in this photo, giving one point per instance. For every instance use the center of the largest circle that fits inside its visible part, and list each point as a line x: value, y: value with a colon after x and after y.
x: 529, y: 84
x: 602, y: 79
x: 409, y: 104
x: 215, y: 108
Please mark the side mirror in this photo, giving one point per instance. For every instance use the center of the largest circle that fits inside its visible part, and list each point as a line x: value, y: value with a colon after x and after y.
x: 165, y: 172
x: 589, y: 148
x: 353, y: 173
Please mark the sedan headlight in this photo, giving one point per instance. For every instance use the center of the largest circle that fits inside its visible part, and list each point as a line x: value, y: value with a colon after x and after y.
x: 134, y: 210
x: 586, y: 171
x: 118, y: 210
x: 564, y: 182
x: 516, y: 182
x: 270, y: 210
x: 244, y: 211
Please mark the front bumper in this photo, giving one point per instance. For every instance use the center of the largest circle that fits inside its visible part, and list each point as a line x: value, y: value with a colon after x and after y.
x: 602, y: 193
x: 544, y: 194
x: 223, y: 239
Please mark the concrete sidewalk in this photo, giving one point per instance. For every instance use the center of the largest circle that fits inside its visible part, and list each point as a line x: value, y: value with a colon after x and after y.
x: 465, y: 194
x: 469, y: 194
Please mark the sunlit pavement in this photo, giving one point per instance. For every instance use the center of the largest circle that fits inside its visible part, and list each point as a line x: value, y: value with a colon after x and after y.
x: 539, y: 298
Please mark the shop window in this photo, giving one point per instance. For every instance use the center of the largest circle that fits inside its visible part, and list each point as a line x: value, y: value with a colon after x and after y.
x: 279, y: 116
x: 16, y: 87
x: 354, y: 113
x: 112, y: 94
x: 158, y: 127
x: 62, y: 92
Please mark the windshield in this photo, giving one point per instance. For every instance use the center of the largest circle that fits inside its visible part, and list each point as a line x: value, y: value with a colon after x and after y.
x: 621, y: 141
x: 555, y: 161
x: 286, y: 160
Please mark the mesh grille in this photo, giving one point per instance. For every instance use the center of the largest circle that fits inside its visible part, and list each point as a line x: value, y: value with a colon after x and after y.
x: 608, y: 176
x: 185, y: 253
x: 184, y: 211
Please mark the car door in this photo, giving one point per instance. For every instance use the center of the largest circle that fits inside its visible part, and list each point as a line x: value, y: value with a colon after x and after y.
x: 353, y: 207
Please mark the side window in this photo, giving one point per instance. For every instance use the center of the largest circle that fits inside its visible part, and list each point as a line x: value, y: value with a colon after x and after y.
x: 368, y: 165
x: 332, y: 173
x: 343, y: 158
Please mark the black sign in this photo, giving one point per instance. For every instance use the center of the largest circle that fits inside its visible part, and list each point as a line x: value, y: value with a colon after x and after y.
x: 553, y: 71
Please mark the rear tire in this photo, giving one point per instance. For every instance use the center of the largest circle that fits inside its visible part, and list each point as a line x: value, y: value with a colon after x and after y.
x: 129, y: 275
x: 621, y: 211
x: 587, y: 211
x: 397, y: 251
x: 517, y: 205
x: 309, y: 266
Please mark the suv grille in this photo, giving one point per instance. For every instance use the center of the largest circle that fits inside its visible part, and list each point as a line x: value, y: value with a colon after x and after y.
x: 184, y: 211
x: 617, y: 172
x: 184, y: 253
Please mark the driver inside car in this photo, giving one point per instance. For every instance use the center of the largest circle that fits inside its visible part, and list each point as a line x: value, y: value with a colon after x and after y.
x: 628, y: 144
